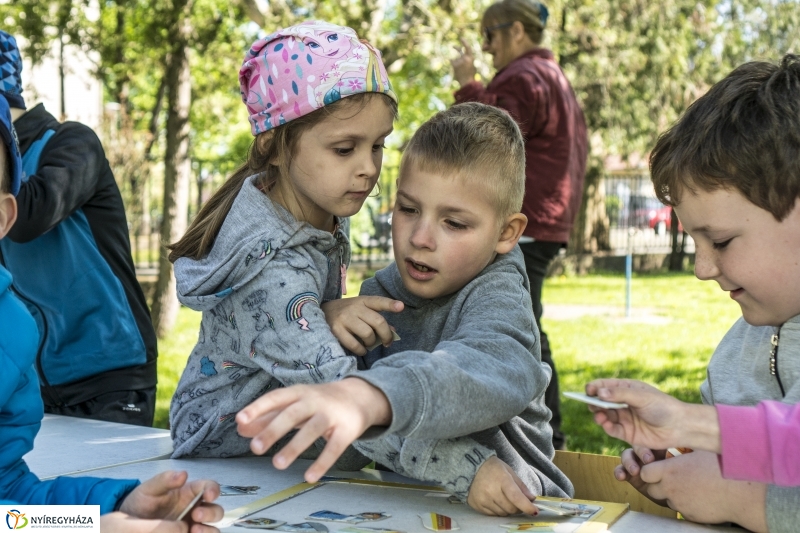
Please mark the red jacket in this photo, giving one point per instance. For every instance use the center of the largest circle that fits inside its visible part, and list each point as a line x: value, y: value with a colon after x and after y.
x: 534, y: 90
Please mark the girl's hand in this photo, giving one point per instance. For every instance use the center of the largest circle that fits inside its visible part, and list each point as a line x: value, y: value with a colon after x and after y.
x: 653, y: 419
x: 340, y: 412
x: 497, y: 491
x: 464, y: 65
x: 161, y: 499
x: 357, y: 322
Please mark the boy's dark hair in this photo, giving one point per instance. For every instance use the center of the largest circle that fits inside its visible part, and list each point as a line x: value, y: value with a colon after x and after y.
x: 743, y: 134
x: 478, y: 142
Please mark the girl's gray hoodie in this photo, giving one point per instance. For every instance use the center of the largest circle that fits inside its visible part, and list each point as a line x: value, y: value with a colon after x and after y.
x: 260, y: 289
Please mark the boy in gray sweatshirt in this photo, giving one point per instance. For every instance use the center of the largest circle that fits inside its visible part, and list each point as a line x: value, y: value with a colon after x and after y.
x: 468, y: 336
x: 730, y: 167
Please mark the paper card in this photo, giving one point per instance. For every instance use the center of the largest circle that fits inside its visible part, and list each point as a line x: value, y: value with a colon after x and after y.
x: 395, y: 337
x: 237, y: 490
x: 531, y: 526
x: 371, y: 516
x: 593, y: 400
x: 438, y: 522
x: 259, y: 523
x: 189, y: 507
x: 303, y: 527
x: 567, y: 508
x: 675, y: 452
x: 365, y: 529
x: 332, y: 516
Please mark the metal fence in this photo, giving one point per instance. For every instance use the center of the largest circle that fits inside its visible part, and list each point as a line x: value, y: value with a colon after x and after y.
x: 638, y: 221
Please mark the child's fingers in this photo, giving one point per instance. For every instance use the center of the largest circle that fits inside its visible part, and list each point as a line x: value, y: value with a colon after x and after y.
x: 164, y: 482
x: 290, y: 418
x: 515, y: 500
x: 381, y: 303
x: 653, y: 473
x: 352, y: 343
x: 334, y: 448
x: 521, y: 485
x: 644, y: 454
x: 313, y: 427
x: 630, y: 462
x: 272, y: 401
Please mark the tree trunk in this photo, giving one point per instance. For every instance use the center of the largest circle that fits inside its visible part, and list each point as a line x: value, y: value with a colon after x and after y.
x: 177, y: 170
x: 678, y: 244
x: 590, y: 232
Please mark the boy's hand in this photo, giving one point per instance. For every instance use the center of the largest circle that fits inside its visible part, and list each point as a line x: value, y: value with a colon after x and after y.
x: 497, y: 491
x: 654, y: 419
x: 164, y: 497
x: 651, y: 420
x: 357, y: 322
x: 340, y: 412
x: 692, y: 484
x: 630, y: 470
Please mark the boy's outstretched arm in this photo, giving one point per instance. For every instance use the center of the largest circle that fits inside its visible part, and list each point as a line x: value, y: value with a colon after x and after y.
x: 340, y: 412
x: 357, y: 322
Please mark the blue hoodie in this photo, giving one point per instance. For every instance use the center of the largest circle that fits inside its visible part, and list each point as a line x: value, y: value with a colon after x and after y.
x: 21, y: 412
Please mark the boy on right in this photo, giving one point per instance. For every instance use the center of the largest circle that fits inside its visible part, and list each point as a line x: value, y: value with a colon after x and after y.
x: 730, y: 167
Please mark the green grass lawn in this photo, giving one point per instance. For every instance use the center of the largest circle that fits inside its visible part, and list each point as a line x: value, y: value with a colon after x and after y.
x: 671, y: 355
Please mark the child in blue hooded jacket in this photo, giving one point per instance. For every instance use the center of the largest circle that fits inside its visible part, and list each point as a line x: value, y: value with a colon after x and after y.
x: 156, y: 502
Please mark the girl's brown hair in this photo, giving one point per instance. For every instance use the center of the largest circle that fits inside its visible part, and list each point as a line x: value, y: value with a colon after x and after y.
x: 277, y: 144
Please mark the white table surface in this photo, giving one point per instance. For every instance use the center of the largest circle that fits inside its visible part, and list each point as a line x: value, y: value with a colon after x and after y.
x: 259, y: 471
x: 68, y: 445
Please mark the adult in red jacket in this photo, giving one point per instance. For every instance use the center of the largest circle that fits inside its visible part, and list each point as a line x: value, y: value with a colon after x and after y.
x: 530, y: 85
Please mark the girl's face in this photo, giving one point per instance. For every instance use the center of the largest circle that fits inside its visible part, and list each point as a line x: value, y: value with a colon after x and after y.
x: 337, y: 163
x: 329, y: 44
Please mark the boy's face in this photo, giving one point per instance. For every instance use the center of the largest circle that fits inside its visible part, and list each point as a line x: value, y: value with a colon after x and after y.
x: 444, y: 232
x: 749, y: 253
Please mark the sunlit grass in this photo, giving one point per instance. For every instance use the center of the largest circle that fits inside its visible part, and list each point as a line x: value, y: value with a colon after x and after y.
x: 672, y: 356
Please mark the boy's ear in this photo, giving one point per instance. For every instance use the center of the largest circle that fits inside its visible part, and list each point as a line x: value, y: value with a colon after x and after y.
x: 512, y: 229
x: 8, y: 212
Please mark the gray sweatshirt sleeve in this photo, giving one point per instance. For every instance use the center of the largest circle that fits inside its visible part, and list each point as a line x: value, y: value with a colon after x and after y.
x: 489, y: 368
x: 451, y: 463
x: 783, y: 509
x: 284, y: 328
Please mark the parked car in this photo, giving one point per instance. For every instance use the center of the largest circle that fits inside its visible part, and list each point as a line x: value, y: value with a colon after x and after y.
x: 658, y: 219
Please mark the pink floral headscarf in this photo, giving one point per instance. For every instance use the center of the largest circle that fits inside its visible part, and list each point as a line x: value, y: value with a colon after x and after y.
x: 296, y: 70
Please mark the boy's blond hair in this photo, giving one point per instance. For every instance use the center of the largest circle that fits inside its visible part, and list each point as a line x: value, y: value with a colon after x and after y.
x: 478, y: 143
x: 743, y: 134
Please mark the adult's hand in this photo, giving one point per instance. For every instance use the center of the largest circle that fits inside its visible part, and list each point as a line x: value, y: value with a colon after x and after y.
x: 464, y: 65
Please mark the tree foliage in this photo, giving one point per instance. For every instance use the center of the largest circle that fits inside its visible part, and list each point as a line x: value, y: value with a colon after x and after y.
x: 635, y: 65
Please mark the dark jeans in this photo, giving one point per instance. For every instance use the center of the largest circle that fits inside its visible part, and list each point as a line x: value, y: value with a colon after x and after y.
x: 538, y: 255
x: 127, y: 407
